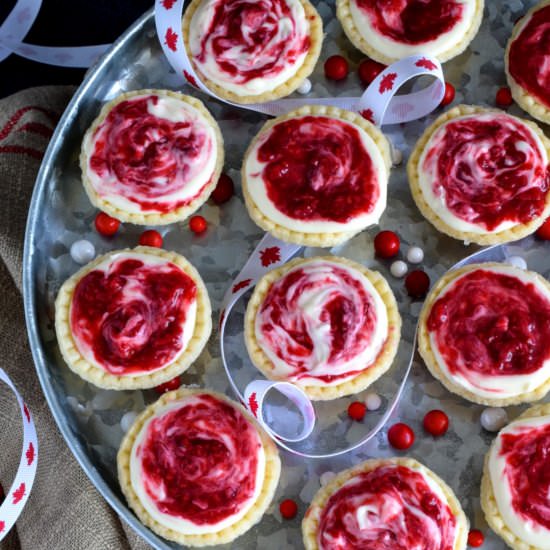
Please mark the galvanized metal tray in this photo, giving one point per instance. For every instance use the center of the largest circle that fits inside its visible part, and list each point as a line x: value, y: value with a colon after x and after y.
x: 90, y: 419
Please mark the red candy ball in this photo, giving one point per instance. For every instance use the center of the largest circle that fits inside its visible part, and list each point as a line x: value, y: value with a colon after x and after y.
x: 543, y: 232
x: 288, y: 508
x: 436, y: 422
x: 224, y: 189
x: 173, y: 384
x: 336, y: 67
x: 151, y: 238
x: 369, y: 69
x: 417, y: 283
x: 106, y: 225
x: 504, y: 97
x: 357, y: 410
x: 198, y: 224
x: 401, y: 436
x: 449, y: 94
x: 386, y: 244
x: 475, y: 538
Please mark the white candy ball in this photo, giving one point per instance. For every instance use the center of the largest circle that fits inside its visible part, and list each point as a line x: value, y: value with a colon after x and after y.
x: 396, y: 155
x: 517, y: 261
x: 398, y: 269
x: 305, y: 87
x: 326, y: 478
x: 415, y: 255
x: 82, y: 251
x: 373, y: 401
x: 493, y: 419
x: 127, y: 420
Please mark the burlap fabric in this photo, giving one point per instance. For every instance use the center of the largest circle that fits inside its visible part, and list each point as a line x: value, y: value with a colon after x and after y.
x: 64, y: 510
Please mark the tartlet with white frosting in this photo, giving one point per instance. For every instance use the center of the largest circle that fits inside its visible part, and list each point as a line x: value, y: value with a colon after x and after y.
x: 151, y: 157
x: 515, y: 483
x: 389, y: 31
x: 326, y: 324
x: 252, y: 51
x: 197, y: 469
x: 381, y: 501
x: 133, y: 318
x: 484, y: 333
x: 527, y: 62
x: 482, y: 175
x: 316, y: 176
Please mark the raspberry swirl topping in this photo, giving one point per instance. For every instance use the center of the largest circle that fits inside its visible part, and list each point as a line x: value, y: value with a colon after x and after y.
x: 321, y: 323
x: 315, y: 173
x: 519, y: 468
x: 490, y: 331
x: 151, y: 154
x: 485, y: 173
x: 403, y: 27
x: 529, y: 56
x: 133, y: 313
x: 249, y: 46
x: 392, y: 507
x: 198, y: 465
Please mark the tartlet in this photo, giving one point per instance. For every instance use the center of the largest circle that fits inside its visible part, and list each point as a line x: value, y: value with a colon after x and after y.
x: 527, y: 60
x: 252, y: 51
x: 389, y: 31
x: 514, y: 487
x: 484, y: 333
x: 197, y: 469
x: 385, y: 500
x: 133, y: 318
x: 151, y: 157
x: 326, y: 324
x: 316, y: 176
x: 481, y: 175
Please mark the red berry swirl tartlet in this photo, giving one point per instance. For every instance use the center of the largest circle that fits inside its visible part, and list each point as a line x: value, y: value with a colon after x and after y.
x: 482, y: 175
x: 133, y: 318
x: 251, y: 51
x: 527, y: 62
x: 327, y: 324
x: 151, y: 157
x: 516, y: 481
x: 316, y: 176
x: 395, y: 503
x: 484, y: 332
x: 197, y: 469
x: 388, y: 31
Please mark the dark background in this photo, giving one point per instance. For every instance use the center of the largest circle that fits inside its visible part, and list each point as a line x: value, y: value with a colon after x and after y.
x: 66, y: 23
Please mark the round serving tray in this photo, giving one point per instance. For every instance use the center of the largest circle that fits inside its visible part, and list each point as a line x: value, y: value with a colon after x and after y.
x: 60, y: 213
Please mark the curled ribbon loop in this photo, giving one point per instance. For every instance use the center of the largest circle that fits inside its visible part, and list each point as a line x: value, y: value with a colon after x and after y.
x: 16, y: 26
x: 379, y: 103
x: 19, y: 492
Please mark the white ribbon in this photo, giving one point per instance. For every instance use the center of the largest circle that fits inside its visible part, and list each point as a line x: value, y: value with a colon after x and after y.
x: 378, y: 103
x: 20, y: 490
x: 16, y: 26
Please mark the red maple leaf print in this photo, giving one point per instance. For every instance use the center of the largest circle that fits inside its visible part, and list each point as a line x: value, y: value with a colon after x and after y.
x: 367, y: 114
x: 30, y: 454
x: 241, y: 284
x: 270, y: 255
x: 19, y: 493
x: 27, y: 413
x: 386, y: 84
x: 168, y: 4
x: 171, y: 39
x: 2, y: 526
x: 190, y: 78
x: 253, y: 404
x: 426, y: 63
